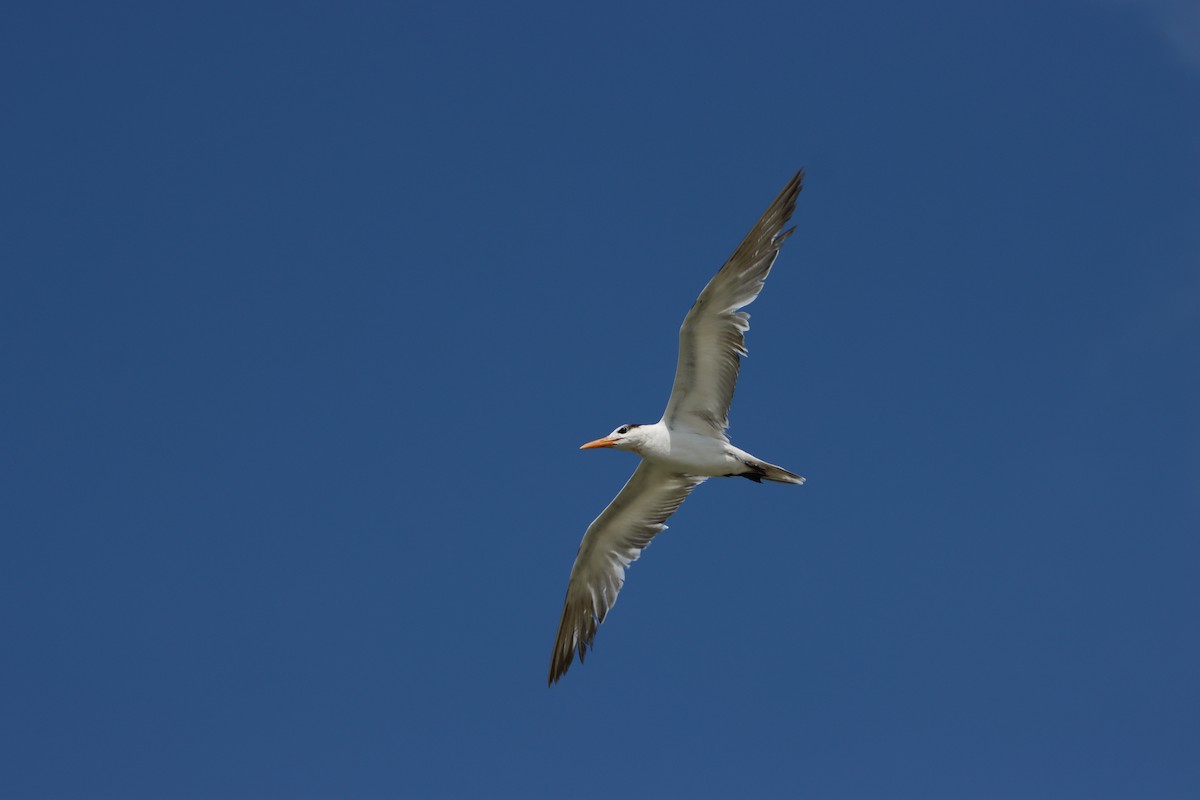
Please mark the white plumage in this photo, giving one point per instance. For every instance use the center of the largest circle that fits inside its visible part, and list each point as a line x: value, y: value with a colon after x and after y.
x: 687, y: 446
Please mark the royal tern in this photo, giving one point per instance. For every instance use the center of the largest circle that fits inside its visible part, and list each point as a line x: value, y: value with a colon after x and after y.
x: 684, y: 448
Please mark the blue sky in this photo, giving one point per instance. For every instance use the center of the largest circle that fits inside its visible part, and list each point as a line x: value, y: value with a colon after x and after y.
x: 306, y: 309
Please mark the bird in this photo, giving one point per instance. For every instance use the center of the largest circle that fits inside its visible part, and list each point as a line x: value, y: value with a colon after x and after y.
x: 687, y: 446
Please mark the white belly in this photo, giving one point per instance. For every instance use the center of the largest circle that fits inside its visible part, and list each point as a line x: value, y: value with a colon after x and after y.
x: 685, y: 451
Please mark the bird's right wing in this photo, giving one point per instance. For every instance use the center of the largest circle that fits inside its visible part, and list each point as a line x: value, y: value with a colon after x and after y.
x: 612, y: 542
x: 712, y: 338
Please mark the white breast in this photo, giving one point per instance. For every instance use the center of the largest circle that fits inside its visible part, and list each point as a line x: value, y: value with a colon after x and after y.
x: 683, y: 450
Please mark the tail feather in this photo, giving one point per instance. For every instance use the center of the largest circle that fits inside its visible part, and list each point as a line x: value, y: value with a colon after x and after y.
x: 761, y: 470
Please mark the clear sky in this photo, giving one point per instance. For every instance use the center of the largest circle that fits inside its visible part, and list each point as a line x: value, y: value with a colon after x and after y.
x: 306, y: 308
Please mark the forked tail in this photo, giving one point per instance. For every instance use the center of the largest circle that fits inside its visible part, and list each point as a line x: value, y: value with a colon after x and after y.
x: 760, y: 471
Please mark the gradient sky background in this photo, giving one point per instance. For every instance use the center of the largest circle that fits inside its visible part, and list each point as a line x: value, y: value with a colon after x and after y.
x: 307, y: 307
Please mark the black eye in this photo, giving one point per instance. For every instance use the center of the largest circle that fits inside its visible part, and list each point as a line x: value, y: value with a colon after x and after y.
x: 623, y: 429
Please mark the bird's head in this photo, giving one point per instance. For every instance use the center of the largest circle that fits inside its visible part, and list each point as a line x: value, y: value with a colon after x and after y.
x: 626, y: 437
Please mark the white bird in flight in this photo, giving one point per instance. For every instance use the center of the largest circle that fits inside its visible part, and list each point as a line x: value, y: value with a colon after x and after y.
x: 684, y: 448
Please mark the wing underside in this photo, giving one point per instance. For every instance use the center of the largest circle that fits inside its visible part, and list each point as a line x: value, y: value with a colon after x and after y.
x: 612, y: 542
x: 712, y: 337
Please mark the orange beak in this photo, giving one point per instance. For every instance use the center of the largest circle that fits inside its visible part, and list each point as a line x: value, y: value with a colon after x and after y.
x: 607, y: 441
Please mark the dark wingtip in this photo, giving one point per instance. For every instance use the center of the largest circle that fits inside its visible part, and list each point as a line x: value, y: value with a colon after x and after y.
x: 790, y: 192
x: 558, y: 668
x: 783, y: 206
x: 798, y: 180
x: 559, y: 663
x: 563, y: 656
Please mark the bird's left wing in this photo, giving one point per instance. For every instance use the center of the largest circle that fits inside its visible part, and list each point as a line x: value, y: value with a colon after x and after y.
x: 712, y: 338
x: 612, y: 543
